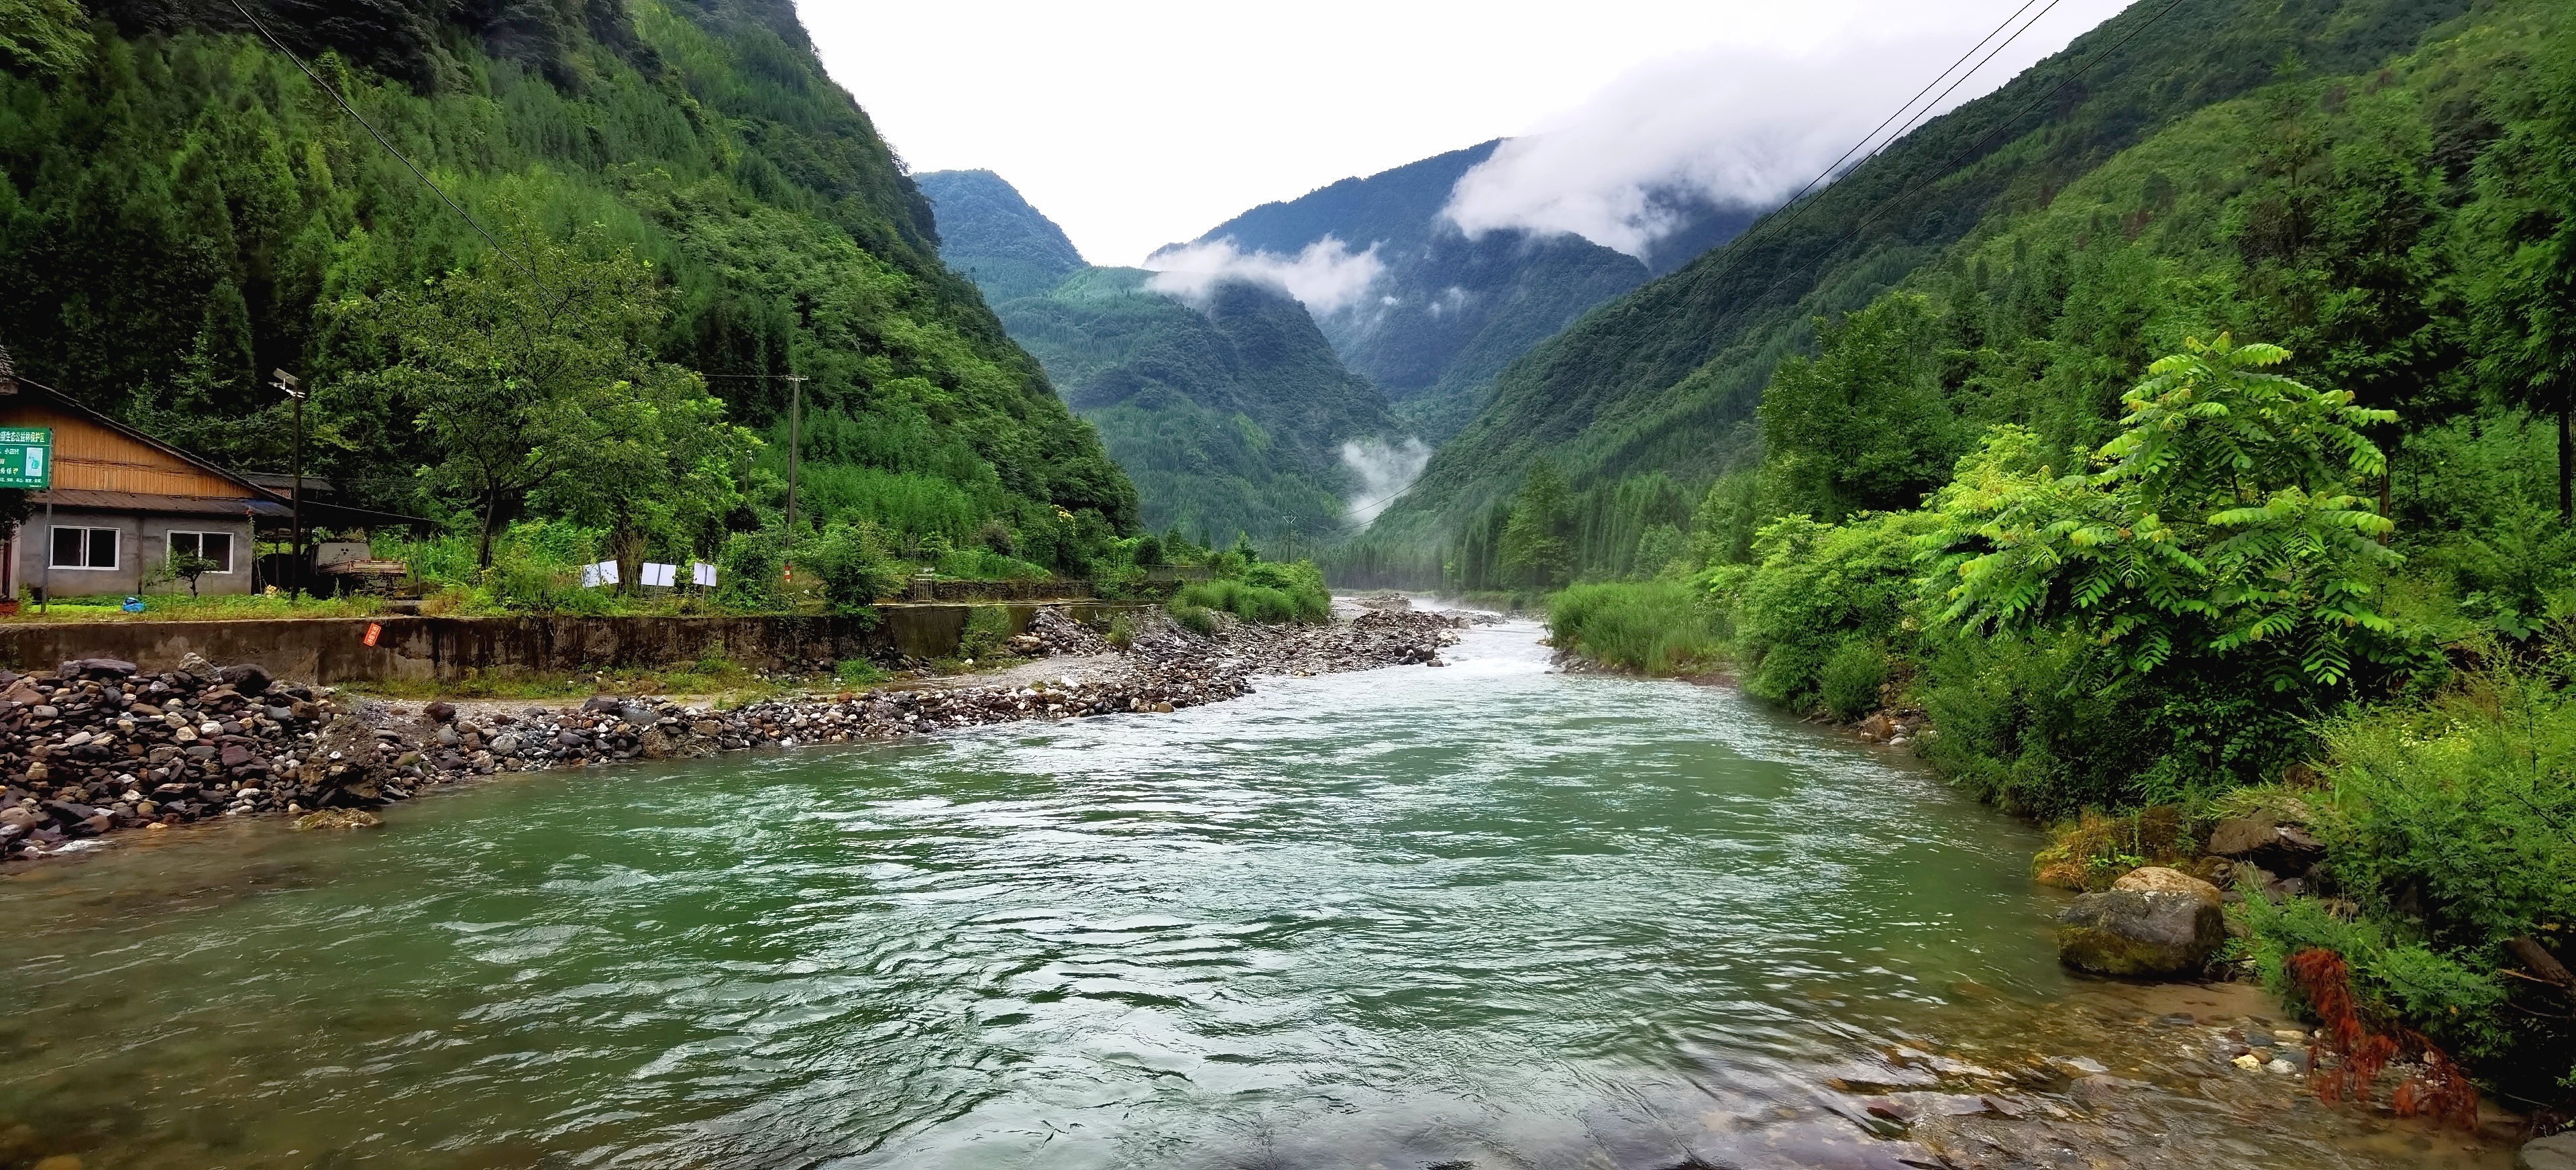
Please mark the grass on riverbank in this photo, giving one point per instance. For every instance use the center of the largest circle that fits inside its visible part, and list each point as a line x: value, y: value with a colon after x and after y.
x: 1652, y: 627
x: 158, y: 607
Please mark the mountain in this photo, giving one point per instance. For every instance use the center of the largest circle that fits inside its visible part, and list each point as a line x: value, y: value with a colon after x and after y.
x: 1228, y: 408
x: 1449, y: 310
x: 1665, y: 379
x: 991, y: 235
x: 187, y: 210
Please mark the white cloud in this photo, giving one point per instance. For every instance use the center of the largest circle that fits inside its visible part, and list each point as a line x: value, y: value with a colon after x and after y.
x: 1739, y: 126
x: 1224, y: 106
x: 1385, y: 470
x: 1326, y: 276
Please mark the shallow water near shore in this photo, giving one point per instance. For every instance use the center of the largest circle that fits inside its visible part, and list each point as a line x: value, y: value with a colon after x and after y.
x: 1486, y: 915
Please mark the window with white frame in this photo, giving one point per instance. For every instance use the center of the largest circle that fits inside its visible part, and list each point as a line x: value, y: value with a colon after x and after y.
x: 214, y: 546
x: 84, y: 548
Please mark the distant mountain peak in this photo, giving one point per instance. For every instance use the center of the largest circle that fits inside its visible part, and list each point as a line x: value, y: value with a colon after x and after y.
x: 992, y: 236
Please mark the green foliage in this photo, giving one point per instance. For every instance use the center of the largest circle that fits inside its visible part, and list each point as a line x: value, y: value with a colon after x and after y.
x: 1848, y: 684
x: 852, y: 562
x: 988, y: 629
x: 2439, y: 994
x: 1668, y: 376
x: 2456, y: 819
x: 1659, y: 549
x: 1534, y: 548
x: 1653, y: 627
x: 1197, y: 619
x: 2221, y: 524
x: 2520, y: 236
x: 188, y: 210
x: 858, y: 672
x: 43, y: 36
x: 1265, y: 592
x: 748, y: 573
x: 1817, y: 588
x: 1860, y: 426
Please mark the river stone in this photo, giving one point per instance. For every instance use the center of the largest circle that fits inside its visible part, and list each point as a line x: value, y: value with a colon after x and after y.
x: 2239, y: 836
x: 2158, y: 878
x: 505, y: 744
x: 440, y: 712
x: 2140, y: 932
x: 2556, y: 1152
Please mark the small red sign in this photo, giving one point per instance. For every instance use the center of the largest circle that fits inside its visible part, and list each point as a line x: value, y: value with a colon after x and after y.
x: 373, y: 629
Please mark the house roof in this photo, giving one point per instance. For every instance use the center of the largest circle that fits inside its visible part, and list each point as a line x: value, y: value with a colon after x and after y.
x: 23, y: 387
x: 259, y: 509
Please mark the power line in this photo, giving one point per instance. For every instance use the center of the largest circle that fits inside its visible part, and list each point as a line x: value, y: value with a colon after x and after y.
x: 1836, y: 165
x: 2017, y: 115
x: 388, y: 146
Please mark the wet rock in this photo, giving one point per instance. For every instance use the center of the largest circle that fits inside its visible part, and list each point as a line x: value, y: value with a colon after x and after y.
x: 339, y: 818
x: 2141, y: 932
x: 248, y: 678
x: 97, y: 668
x: 2556, y: 1152
x: 2157, y: 878
x: 440, y: 712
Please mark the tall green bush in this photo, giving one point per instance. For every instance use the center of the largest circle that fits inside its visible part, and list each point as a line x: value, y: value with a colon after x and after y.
x: 1655, y: 627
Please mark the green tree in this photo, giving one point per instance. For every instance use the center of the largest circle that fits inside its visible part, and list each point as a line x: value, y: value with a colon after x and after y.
x: 668, y: 469
x: 43, y: 36
x: 525, y: 375
x: 2220, y: 524
x: 2521, y: 282
x: 1534, y: 545
x: 1862, y: 426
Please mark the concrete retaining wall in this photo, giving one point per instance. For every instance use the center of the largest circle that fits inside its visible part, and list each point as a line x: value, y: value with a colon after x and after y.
x: 334, y: 650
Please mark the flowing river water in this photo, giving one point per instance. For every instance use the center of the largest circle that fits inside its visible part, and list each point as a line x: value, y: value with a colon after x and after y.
x: 1485, y: 916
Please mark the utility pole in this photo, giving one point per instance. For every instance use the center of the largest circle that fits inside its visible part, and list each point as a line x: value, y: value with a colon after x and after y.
x: 292, y: 387
x: 795, y: 419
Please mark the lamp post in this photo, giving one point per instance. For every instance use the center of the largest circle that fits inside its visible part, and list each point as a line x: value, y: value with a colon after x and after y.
x: 292, y: 387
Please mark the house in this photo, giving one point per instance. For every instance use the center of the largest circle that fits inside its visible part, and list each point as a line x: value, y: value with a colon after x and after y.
x: 122, y: 503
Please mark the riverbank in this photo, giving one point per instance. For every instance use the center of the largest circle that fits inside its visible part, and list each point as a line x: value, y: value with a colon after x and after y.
x: 97, y: 747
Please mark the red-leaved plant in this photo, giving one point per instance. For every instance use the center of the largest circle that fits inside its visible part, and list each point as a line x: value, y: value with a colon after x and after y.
x: 2441, y: 1091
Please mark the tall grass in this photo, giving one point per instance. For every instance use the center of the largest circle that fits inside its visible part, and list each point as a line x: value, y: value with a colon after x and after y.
x: 1655, y: 627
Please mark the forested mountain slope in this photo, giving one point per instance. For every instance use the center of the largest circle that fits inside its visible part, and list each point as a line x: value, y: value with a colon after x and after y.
x: 1229, y: 409
x: 1448, y: 311
x: 1667, y: 377
x: 991, y: 235
x: 185, y: 210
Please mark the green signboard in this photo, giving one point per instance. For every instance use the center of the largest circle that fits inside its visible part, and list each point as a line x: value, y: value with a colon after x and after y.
x: 26, y: 457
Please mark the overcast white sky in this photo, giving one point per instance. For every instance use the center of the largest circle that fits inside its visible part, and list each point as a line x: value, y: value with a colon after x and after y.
x: 1136, y: 123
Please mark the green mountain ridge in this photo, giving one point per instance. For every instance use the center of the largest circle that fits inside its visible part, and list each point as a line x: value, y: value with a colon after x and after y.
x: 1449, y: 311
x: 1666, y: 378
x: 185, y: 210
x: 1228, y: 409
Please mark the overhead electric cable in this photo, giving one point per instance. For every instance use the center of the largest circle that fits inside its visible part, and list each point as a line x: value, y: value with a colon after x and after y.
x: 388, y: 146
x: 1865, y: 140
x: 2017, y: 116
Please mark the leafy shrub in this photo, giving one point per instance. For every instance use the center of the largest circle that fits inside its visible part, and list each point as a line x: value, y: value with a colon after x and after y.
x: 1850, y: 681
x: 858, y: 672
x: 988, y: 628
x: 747, y: 573
x: 1816, y: 588
x: 1263, y: 592
x: 1656, y: 627
x: 1197, y: 619
x: 852, y: 561
x: 2451, y: 826
x: 1122, y: 632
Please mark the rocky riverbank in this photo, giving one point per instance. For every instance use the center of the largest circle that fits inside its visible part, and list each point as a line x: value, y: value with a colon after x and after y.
x: 97, y: 747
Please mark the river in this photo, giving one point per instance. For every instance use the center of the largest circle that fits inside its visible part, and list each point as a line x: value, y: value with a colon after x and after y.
x: 1481, y: 916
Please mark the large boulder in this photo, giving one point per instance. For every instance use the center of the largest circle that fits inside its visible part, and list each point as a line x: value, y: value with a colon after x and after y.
x: 2557, y: 1152
x: 2153, y: 922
